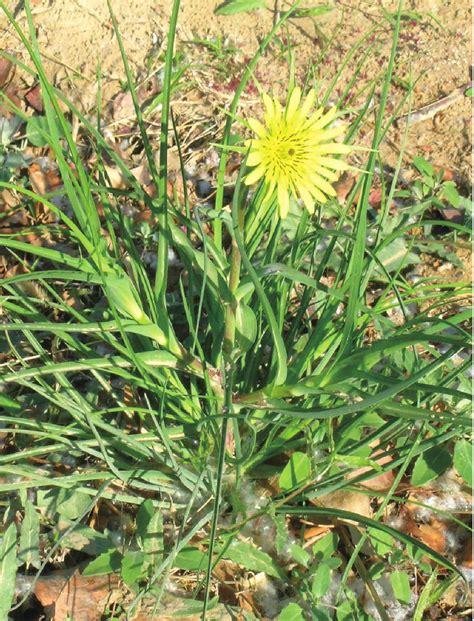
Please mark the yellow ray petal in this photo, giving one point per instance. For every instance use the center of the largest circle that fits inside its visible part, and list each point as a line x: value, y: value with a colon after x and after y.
x: 308, y: 200
x: 283, y: 197
x: 317, y: 194
x: 331, y: 162
x: 293, y: 104
x: 308, y: 103
x: 333, y: 147
x: 324, y: 172
x: 255, y: 175
x: 254, y: 158
x: 325, y: 119
x: 257, y: 127
x: 323, y: 185
x: 269, y: 193
x: 269, y: 115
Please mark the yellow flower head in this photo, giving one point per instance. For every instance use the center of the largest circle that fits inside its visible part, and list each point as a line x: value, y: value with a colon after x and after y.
x: 292, y: 151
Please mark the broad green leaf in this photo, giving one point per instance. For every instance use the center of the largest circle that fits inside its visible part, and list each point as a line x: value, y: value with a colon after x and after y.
x: 463, y: 460
x: 430, y: 465
x: 252, y: 558
x: 381, y: 541
x: 296, y: 471
x: 191, y: 559
x: 401, y: 586
x: 321, y: 580
x: 150, y: 531
x: 85, y: 539
x: 238, y: 6
x: 7, y: 571
x: 292, y: 612
x: 300, y: 555
x: 106, y: 563
x: 451, y: 194
x: 29, y: 537
x: 132, y: 567
x: 245, y: 327
x: 326, y: 547
x: 424, y: 166
x: 394, y: 255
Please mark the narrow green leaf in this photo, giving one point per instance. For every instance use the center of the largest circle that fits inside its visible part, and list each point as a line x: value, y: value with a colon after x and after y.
x: 7, y: 571
x: 463, y: 460
x: 401, y: 586
x: 296, y: 471
x: 231, y: 7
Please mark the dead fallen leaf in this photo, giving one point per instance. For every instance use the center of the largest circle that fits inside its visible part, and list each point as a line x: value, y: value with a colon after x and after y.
x: 380, y: 482
x: 433, y: 534
x: 34, y: 99
x: 6, y: 71
x: 343, y: 186
x: 83, y: 598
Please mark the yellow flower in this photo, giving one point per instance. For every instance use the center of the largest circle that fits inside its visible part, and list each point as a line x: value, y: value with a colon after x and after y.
x: 292, y: 150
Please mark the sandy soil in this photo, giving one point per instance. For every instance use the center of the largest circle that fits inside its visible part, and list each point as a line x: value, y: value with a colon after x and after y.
x: 76, y: 35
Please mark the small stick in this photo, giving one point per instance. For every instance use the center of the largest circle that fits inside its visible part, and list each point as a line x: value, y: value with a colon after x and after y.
x: 430, y: 110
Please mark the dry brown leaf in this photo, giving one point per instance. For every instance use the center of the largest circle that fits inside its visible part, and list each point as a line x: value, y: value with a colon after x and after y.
x: 6, y: 71
x: 43, y: 178
x: 381, y: 482
x: 433, y: 534
x: 347, y: 500
x: 83, y: 598
x: 34, y: 99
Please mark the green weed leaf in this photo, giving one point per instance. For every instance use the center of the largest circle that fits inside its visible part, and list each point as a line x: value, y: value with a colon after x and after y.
x: 231, y: 7
x: 7, y: 571
x: 252, y: 558
x: 296, y: 471
x: 321, y: 580
x: 106, y: 563
x: 292, y: 612
x: 463, y: 460
x: 29, y: 537
x: 401, y: 586
x: 430, y: 465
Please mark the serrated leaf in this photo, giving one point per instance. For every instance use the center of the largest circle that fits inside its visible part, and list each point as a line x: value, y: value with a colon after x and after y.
x: 430, y: 465
x: 150, y: 531
x: 7, y: 571
x: 296, y: 471
x: 401, y: 586
x: 321, y: 580
x: 132, y: 567
x: 463, y: 460
x: 316, y: 11
x: 292, y: 612
x: 424, y: 166
x: 231, y: 7
x: 29, y: 537
x: 85, y: 539
x: 106, y: 563
x: 252, y: 558
x: 394, y: 255
x: 281, y: 534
